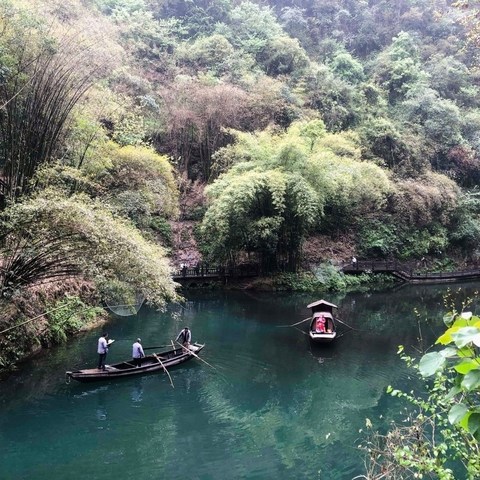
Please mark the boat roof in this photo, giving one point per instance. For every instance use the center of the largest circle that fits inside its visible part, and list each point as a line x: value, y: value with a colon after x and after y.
x: 321, y: 302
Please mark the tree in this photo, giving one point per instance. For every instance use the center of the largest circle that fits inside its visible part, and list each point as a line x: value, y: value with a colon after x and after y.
x: 51, y: 237
x: 197, y: 115
x: 268, y: 213
x: 347, y: 68
x: 398, y: 68
x: 43, y: 79
x: 337, y: 101
x: 138, y: 172
x: 283, y: 56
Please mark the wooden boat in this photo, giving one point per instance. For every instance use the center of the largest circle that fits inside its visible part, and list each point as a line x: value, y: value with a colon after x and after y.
x: 150, y: 363
x: 322, y: 325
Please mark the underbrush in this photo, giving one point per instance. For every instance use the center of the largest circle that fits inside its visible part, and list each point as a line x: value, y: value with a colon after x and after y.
x: 40, y: 321
x: 327, y: 277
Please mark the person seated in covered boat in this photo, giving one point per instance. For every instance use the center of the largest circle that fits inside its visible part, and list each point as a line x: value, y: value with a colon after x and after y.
x: 320, y: 324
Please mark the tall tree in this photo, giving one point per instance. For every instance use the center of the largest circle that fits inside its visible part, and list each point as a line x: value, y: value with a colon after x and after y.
x: 43, y: 79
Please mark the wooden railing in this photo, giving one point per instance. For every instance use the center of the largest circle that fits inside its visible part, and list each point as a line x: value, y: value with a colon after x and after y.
x: 203, y: 271
x: 409, y: 272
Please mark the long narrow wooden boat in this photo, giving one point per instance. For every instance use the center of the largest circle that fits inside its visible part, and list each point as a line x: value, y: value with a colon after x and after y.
x: 151, y: 363
x: 322, y: 325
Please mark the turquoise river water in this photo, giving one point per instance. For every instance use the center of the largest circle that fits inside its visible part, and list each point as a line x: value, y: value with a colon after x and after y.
x: 273, y: 406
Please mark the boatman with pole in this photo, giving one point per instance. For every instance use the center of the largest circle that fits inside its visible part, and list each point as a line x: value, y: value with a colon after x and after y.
x: 184, y: 337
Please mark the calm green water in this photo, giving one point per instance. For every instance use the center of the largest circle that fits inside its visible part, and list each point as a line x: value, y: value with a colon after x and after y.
x: 274, y: 407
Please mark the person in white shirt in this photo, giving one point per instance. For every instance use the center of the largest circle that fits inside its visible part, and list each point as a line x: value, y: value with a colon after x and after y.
x: 102, y: 350
x: 137, y: 353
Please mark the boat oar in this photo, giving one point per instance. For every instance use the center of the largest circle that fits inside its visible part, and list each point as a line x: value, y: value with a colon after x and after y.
x: 294, y: 324
x: 301, y: 331
x: 195, y: 355
x: 163, y: 366
x: 349, y: 326
x: 158, y: 346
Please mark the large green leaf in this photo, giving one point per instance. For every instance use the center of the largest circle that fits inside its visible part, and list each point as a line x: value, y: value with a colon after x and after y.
x: 474, y: 422
x: 457, y: 412
x: 471, y: 380
x: 449, y: 352
x: 447, y: 338
x: 431, y: 363
x: 453, y: 391
x: 466, y: 335
x: 465, y: 352
x: 461, y: 322
x: 448, y: 319
x: 465, y: 366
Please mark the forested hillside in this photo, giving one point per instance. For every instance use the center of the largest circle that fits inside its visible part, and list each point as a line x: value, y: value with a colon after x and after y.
x: 266, y: 127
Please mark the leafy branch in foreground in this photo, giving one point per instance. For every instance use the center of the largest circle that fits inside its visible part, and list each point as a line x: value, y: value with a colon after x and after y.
x: 443, y: 433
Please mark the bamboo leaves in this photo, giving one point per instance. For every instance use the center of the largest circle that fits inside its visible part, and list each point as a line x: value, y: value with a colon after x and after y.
x: 52, y: 236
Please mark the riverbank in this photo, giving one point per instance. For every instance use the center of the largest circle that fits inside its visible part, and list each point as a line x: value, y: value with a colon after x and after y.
x: 40, y: 319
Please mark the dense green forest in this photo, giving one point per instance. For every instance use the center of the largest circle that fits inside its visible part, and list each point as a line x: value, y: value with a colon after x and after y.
x: 267, y: 128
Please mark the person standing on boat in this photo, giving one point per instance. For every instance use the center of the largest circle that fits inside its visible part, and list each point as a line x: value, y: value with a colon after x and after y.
x: 102, y: 350
x: 137, y: 353
x: 184, y: 337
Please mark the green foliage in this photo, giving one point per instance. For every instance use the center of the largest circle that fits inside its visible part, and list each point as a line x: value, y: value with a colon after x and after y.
x: 431, y: 198
x: 438, y: 118
x: 138, y: 183
x: 332, y: 279
x: 458, y: 366
x: 336, y: 100
x: 18, y: 342
x: 47, y: 72
x: 466, y: 223
x: 323, y: 169
x: 75, y: 234
x: 266, y: 212
x: 398, y: 69
x: 283, y: 56
x: 347, y: 68
x: 387, y: 238
x: 250, y: 27
x: 162, y: 228
x: 445, y: 427
x: 378, y: 239
x: 325, y: 277
x: 66, y: 317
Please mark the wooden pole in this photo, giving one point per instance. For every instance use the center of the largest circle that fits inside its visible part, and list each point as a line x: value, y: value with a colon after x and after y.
x: 195, y: 355
x: 163, y: 366
x: 294, y: 324
x: 153, y: 348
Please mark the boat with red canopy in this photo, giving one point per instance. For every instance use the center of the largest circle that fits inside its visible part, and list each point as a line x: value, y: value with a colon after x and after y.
x: 322, y: 324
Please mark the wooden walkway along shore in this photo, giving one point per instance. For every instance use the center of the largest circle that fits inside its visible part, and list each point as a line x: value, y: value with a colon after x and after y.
x: 404, y: 272
x: 205, y: 273
x: 408, y: 273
